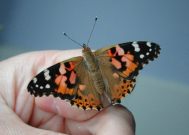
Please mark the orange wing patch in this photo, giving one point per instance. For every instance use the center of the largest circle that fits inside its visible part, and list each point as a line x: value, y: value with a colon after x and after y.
x: 60, y: 82
x: 124, y: 88
x: 66, y: 78
x: 72, y: 78
x: 86, y: 101
x: 131, y: 66
x: 62, y: 86
x: 116, y: 63
x: 123, y: 61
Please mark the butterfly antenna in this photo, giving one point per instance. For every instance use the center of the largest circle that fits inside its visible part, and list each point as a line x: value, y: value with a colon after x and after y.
x: 92, y: 30
x: 72, y: 39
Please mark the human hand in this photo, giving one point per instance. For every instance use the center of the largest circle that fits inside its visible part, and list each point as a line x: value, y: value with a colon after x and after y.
x: 21, y: 113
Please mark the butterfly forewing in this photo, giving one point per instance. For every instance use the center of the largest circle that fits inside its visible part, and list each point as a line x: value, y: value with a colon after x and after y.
x: 59, y: 80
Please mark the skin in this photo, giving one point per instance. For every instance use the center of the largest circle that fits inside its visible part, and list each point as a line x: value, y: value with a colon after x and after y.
x: 21, y: 113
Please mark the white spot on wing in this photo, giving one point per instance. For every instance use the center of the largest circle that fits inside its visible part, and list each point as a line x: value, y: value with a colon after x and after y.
x: 41, y: 87
x: 37, y: 85
x: 148, y: 44
x: 142, y: 56
x: 34, y: 80
x: 137, y: 49
x: 147, y: 53
x: 47, y: 86
x: 46, y: 75
x: 135, y: 45
x: 47, y: 78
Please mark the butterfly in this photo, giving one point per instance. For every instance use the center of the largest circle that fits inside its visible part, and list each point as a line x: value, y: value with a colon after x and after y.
x: 96, y: 79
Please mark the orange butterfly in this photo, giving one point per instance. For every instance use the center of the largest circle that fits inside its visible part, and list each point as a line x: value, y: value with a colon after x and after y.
x: 96, y: 79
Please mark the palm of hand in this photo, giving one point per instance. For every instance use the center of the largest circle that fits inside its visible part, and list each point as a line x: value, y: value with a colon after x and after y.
x: 19, y: 107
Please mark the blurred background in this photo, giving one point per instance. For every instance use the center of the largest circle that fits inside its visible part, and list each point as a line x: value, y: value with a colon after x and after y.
x: 160, y: 99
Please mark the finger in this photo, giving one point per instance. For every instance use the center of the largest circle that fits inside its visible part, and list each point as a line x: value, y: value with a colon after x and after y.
x: 110, y: 121
x: 63, y: 108
x: 11, y: 124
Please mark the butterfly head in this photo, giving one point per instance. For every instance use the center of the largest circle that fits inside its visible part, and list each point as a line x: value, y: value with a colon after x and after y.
x: 85, y: 48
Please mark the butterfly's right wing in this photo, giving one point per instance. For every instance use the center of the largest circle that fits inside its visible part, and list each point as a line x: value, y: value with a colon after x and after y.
x: 120, y: 65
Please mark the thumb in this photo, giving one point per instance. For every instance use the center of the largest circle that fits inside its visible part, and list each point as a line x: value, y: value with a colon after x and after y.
x: 11, y: 124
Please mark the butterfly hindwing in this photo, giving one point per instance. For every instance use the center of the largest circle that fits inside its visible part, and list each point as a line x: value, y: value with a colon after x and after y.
x: 87, y: 95
x: 121, y: 63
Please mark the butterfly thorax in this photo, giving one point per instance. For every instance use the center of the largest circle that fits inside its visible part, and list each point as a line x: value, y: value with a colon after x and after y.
x: 93, y: 69
x: 90, y: 60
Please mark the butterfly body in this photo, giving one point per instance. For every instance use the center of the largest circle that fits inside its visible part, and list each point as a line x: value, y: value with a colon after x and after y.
x: 92, y: 66
x: 96, y: 79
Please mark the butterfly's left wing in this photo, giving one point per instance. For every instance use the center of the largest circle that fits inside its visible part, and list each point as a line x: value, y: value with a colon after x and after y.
x: 68, y: 80
x: 121, y: 63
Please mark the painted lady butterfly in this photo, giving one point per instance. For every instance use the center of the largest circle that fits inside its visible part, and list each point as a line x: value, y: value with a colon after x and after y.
x: 96, y: 79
